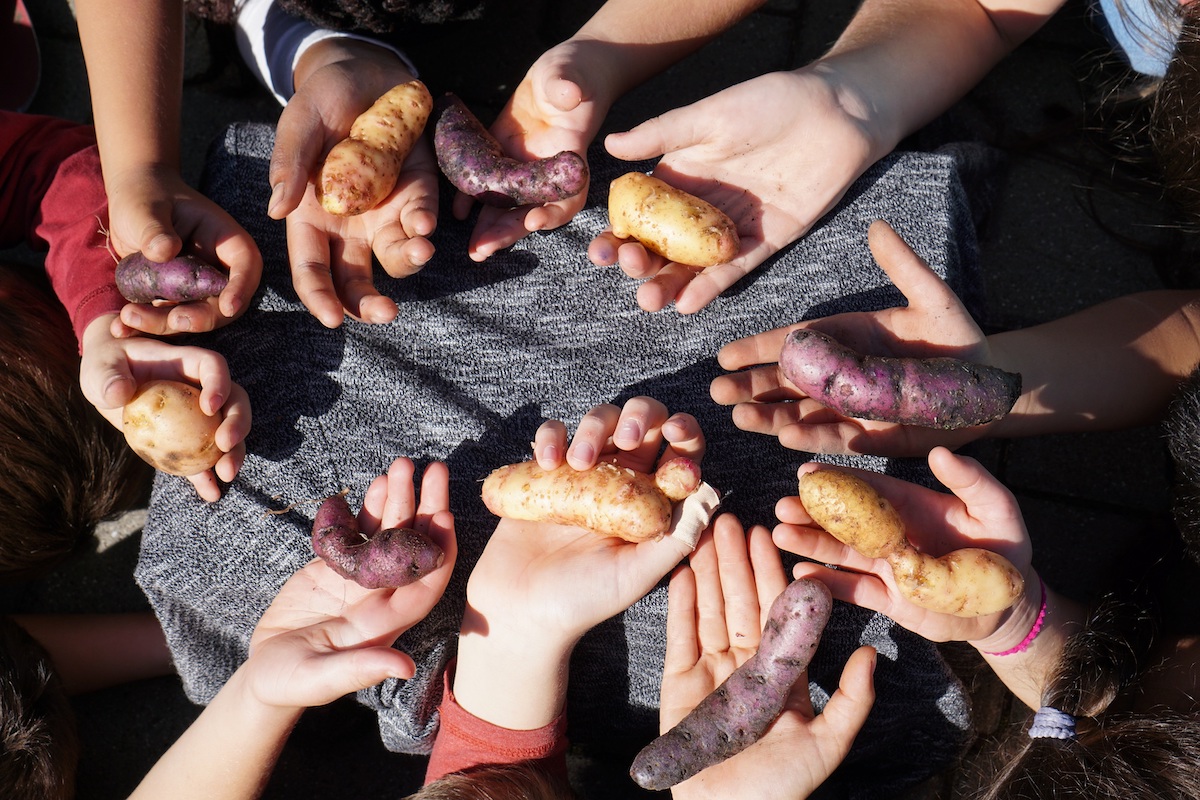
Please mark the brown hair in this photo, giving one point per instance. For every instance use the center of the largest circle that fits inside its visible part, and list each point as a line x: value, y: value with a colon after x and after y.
x: 39, y: 746
x: 1175, y: 116
x: 65, y: 467
x: 523, y: 780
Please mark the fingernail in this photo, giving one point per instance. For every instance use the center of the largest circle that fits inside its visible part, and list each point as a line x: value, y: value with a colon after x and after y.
x: 550, y: 454
x: 276, y: 196
x: 132, y: 318
x: 629, y: 431
x: 582, y: 453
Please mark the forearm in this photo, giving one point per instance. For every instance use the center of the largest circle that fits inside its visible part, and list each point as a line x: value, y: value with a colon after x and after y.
x: 134, y: 57
x: 228, y: 752
x: 1027, y: 672
x: 641, y: 45
x: 1114, y: 365
x: 941, y: 48
x: 517, y: 682
x: 96, y: 651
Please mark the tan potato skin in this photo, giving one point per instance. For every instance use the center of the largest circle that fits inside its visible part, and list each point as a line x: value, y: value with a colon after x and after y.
x: 164, y: 424
x: 362, y: 169
x: 607, y: 499
x: 969, y: 582
x: 670, y: 222
x: 847, y: 507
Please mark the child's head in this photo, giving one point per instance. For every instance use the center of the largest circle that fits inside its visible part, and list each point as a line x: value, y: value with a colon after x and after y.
x: 1175, y: 115
x: 522, y: 780
x: 39, y: 748
x: 65, y: 467
x: 1116, y: 749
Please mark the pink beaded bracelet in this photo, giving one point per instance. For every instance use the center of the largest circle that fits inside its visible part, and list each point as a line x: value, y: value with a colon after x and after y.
x: 1033, y: 632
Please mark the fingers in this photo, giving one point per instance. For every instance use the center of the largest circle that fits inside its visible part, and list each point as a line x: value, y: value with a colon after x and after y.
x: 761, y: 348
x: 550, y: 444
x: 390, y: 500
x: 846, y: 712
x: 299, y: 138
x: 684, y: 438
x: 985, y: 497
x: 682, y: 647
x: 912, y: 276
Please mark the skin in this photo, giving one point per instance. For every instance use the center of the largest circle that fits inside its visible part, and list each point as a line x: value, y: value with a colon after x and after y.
x: 134, y: 60
x: 112, y: 368
x: 321, y: 638
x: 563, y: 99
x: 539, y: 587
x: 1076, y: 371
x: 717, y: 607
x: 777, y: 152
x: 978, y: 512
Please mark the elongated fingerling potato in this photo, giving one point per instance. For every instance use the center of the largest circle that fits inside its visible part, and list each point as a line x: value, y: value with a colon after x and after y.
x: 939, y: 393
x: 676, y: 225
x: 607, y: 499
x: 475, y: 163
x: 848, y: 507
x: 362, y: 169
x: 739, y: 711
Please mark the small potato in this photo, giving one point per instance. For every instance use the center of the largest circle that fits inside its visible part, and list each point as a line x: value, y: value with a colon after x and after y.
x: 182, y: 279
x: 606, y: 499
x: 164, y: 424
x: 389, y: 558
x: 969, y: 582
x: 362, y: 169
x: 848, y: 508
x: 670, y: 222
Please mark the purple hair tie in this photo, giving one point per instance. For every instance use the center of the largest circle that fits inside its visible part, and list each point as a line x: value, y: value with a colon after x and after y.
x: 1050, y: 723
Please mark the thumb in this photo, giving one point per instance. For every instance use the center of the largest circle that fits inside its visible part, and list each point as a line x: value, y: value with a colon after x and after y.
x: 344, y: 672
x: 906, y: 269
x: 985, y: 497
x: 654, y: 137
x: 107, y: 383
x: 846, y: 712
x: 298, y: 139
x: 563, y: 91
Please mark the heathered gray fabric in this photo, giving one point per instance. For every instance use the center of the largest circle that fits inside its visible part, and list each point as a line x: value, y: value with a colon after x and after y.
x: 480, y: 355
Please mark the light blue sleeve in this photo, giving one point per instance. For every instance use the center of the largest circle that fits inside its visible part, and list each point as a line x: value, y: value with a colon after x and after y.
x: 1144, y: 40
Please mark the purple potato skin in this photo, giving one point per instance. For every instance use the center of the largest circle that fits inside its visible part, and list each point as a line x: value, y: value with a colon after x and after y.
x: 181, y: 279
x: 939, y: 393
x: 740, y: 710
x: 472, y: 159
x: 388, y: 559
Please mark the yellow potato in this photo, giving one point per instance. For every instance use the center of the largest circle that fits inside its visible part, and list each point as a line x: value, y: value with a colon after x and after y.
x: 164, y: 424
x: 361, y: 170
x: 848, y: 508
x: 607, y: 499
x: 670, y: 222
x: 969, y: 582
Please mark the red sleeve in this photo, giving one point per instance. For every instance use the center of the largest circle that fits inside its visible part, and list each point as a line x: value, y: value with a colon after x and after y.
x: 464, y: 741
x: 60, y: 209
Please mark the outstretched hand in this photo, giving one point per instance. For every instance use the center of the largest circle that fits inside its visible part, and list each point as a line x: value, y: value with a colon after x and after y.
x: 775, y: 153
x: 554, y: 108
x: 717, y: 607
x: 933, y: 323
x: 331, y: 256
x: 979, y: 512
x: 324, y: 636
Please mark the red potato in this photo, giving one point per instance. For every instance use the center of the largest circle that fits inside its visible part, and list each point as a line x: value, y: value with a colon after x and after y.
x: 165, y: 425
x: 969, y: 582
x: 182, y: 279
x: 939, y: 393
x: 392, y: 558
x: 739, y: 711
x: 362, y: 169
x: 475, y: 163
x: 607, y: 499
x: 668, y: 221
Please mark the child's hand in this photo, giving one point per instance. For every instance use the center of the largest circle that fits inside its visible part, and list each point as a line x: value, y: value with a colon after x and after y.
x: 111, y: 370
x: 323, y: 636
x: 981, y: 512
x: 775, y: 153
x: 157, y: 214
x: 558, y: 106
x: 717, y: 607
x: 933, y: 323
x: 331, y: 256
x: 556, y: 581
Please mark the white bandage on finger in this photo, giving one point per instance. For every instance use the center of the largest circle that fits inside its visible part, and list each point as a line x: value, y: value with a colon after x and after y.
x: 691, y: 516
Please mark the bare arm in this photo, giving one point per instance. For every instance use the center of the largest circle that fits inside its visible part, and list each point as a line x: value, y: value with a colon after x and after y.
x: 1114, y: 365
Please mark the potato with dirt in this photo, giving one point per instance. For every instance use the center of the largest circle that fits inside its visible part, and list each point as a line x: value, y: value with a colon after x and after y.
x: 361, y: 170
x: 475, y: 163
x: 968, y: 582
x: 182, y: 279
x: 739, y: 711
x: 389, y: 558
x: 938, y: 393
x: 165, y: 425
x: 607, y: 499
x: 668, y: 221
